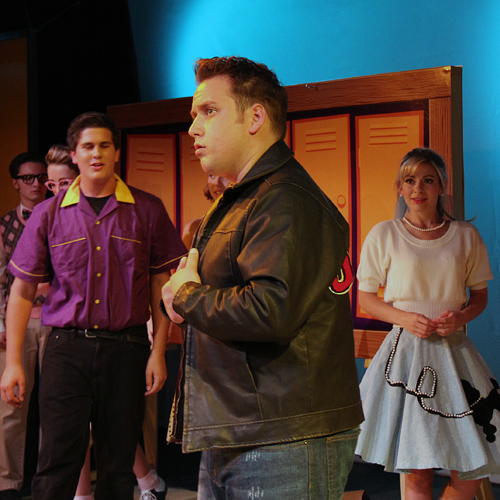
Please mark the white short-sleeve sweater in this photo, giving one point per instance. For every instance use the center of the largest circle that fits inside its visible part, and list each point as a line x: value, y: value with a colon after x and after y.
x: 424, y: 276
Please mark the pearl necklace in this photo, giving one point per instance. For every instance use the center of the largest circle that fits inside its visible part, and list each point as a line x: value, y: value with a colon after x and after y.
x: 424, y: 230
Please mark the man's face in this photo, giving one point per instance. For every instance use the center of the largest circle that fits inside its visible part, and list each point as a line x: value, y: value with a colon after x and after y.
x: 31, y: 194
x: 96, y: 155
x: 221, y: 137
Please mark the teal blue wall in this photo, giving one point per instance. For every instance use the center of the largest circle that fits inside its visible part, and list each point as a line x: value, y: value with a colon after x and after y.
x: 327, y: 40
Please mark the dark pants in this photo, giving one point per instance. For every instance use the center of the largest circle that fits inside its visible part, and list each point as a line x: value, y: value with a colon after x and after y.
x: 89, y: 380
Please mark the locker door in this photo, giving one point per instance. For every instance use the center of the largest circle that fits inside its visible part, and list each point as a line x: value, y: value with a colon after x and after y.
x: 151, y: 167
x: 381, y: 142
x: 321, y: 145
x: 193, y: 179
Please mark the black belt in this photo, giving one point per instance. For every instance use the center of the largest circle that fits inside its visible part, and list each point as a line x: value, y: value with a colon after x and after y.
x: 137, y: 334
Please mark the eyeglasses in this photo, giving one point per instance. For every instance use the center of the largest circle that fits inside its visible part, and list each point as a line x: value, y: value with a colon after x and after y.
x: 61, y: 184
x: 30, y: 178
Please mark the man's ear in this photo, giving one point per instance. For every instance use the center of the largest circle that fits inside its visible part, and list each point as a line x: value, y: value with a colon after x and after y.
x: 258, y: 117
x: 15, y: 182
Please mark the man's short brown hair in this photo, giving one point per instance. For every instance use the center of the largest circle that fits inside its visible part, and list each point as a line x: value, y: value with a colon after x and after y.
x: 251, y: 83
x: 92, y: 119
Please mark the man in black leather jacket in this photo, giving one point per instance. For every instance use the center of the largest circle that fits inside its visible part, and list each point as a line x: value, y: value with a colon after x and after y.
x: 269, y: 388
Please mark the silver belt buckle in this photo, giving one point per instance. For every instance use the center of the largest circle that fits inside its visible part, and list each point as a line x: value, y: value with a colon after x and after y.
x: 89, y: 336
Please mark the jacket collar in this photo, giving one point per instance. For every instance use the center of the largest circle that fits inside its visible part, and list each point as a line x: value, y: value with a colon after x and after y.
x: 122, y: 192
x: 273, y: 159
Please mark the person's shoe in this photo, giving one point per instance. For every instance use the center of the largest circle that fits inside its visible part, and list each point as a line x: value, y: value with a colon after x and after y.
x: 12, y: 495
x: 152, y: 495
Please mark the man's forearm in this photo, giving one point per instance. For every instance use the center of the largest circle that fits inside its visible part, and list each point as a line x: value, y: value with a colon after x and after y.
x: 21, y: 298
x: 160, y: 323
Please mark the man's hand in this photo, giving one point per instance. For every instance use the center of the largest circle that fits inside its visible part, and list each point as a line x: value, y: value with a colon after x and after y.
x: 13, y: 383
x: 186, y: 271
x: 12, y: 379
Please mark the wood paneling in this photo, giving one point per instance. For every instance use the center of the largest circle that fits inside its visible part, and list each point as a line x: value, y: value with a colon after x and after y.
x: 388, y: 87
x: 145, y: 114
x: 367, y: 342
x: 432, y: 83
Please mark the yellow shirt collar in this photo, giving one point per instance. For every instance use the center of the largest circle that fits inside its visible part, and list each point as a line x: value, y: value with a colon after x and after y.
x: 122, y: 192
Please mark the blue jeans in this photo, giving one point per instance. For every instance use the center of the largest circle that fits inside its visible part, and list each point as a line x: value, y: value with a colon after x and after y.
x: 314, y: 469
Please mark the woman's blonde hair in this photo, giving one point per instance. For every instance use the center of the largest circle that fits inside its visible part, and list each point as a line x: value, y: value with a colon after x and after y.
x: 60, y: 155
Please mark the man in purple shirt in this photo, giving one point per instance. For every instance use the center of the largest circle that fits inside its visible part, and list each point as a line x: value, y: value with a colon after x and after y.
x: 106, y: 249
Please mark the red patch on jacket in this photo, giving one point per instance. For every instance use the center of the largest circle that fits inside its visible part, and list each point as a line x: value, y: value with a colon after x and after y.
x: 343, y: 282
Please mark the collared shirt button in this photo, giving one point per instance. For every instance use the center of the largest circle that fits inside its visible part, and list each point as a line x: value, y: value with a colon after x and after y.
x: 99, y: 275
x: 98, y: 248
x: 97, y: 301
x: 96, y: 327
x: 98, y: 222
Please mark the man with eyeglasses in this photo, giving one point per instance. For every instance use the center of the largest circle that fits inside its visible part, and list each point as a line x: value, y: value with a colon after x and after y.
x: 29, y: 174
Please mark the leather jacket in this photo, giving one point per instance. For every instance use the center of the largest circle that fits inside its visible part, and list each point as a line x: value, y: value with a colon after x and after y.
x: 268, y: 348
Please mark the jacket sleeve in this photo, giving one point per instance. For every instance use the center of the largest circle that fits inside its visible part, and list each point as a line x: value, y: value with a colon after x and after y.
x: 290, y: 247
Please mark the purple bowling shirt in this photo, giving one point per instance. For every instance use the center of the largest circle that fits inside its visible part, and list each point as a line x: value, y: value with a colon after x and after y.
x: 98, y: 266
